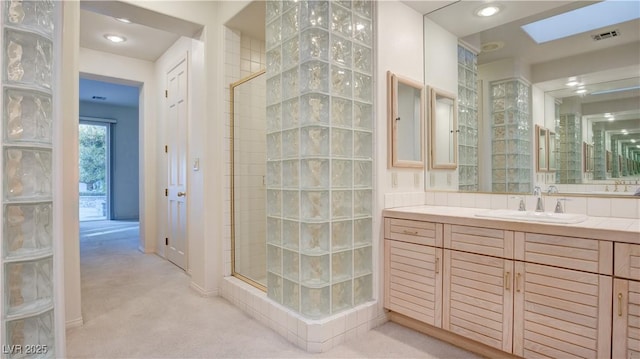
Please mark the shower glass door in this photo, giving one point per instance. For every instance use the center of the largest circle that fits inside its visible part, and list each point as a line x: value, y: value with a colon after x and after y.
x: 248, y: 187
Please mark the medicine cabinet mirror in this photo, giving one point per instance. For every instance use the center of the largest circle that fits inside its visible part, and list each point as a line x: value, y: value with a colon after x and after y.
x: 541, y: 145
x: 406, y: 103
x: 443, y: 129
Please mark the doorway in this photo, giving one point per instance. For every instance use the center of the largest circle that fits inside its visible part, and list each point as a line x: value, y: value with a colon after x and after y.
x: 94, y: 139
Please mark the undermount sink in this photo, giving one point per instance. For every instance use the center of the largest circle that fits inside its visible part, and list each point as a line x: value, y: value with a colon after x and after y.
x: 530, y: 216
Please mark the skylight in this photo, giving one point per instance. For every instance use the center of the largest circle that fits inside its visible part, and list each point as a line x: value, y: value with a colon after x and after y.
x: 588, y: 18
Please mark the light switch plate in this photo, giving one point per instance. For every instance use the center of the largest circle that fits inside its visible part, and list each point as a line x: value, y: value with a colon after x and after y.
x: 196, y: 164
x: 394, y: 179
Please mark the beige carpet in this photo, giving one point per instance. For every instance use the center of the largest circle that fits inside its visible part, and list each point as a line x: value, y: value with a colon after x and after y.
x: 138, y: 305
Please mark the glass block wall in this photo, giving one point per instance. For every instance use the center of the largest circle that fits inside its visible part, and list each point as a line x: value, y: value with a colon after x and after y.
x: 569, y: 145
x: 319, y: 154
x: 599, y: 153
x: 511, y: 136
x: 467, y: 119
x: 616, y: 171
x: 27, y: 200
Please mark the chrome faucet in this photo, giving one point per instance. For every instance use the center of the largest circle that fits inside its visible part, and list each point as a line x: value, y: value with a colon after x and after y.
x: 521, y: 206
x: 537, y: 191
x: 552, y: 189
x: 559, y: 208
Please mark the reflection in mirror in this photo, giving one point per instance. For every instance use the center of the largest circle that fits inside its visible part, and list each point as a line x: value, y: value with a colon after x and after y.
x: 541, y: 144
x: 576, y: 84
x: 443, y: 126
x: 406, y: 121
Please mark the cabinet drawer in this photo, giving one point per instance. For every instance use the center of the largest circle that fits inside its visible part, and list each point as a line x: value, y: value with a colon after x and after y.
x: 487, y: 241
x: 426, y: 233
x: 582, y: 254
x: 627, y: 261
x: 413, y: 281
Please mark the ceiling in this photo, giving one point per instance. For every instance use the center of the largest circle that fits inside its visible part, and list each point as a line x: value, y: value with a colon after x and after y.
x: 108, y: 93
x: 148, y: 36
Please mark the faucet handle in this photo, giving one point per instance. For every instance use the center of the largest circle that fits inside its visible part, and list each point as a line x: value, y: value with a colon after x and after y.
x: 559, y: 206
x: 521, y: 206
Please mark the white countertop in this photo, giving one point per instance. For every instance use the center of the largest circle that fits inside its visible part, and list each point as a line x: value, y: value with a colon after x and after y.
x: 604, y: 228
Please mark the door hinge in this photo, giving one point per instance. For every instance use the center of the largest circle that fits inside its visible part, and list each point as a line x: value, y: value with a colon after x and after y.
x: 166, y: 241
x: 166, y: 192
x: 166, y: 93
x: 166, y: 149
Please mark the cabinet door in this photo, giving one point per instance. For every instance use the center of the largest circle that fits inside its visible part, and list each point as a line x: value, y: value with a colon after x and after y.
x: 477, y: 298
x: 561, y: 313
x: 413, y: 281
x: 626, y: 319
x: 627, y: 261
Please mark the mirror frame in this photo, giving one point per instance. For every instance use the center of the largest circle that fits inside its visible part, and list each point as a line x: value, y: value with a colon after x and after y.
x: 551, y: 150
x: 434, y: 93
x: 392, y: 121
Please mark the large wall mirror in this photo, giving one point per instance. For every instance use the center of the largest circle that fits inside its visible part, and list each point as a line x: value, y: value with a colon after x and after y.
x: 582, y: 88
x: 443, y: 129
x: 406, y: 121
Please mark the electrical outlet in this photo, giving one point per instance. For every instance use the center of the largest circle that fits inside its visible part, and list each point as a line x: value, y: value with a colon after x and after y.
x: 394, y: 179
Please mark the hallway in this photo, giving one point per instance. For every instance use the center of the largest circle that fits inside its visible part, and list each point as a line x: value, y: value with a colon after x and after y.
x: 138, y: 305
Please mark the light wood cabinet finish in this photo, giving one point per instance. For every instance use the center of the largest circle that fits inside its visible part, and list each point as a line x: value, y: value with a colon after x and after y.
x: 413, y: 281
x: 561, y: 313
x: 627, y: 261
x: 425, y: 233
x: 478, y: 302
x: 487, y: 241
x: 566, y: 252
x: 626, y: 318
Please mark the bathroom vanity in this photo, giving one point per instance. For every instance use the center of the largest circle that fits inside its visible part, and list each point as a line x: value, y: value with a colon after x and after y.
x: 503, y: 287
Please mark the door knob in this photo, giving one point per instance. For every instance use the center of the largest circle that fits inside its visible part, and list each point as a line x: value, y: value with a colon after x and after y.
x: 182, y: 194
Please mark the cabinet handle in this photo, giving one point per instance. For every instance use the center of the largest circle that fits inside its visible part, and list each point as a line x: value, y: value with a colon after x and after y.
x: 518, y: 282
x: 507, y: 280
x: 619, y: 304
x: 406, y: 231
x: 437, y: 265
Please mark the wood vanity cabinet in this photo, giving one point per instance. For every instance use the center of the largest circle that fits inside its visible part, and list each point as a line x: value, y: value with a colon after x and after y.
x: 413, y: 269
x: 532, y: 295
x: 626, y: 301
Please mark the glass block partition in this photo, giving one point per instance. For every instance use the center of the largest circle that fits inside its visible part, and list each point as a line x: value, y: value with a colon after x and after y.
x: 511, y: 136
x: 467, y: 119
x: 599, y: 152
x: 27, y: 200
x: 319, y: 154
x: 569, y: 145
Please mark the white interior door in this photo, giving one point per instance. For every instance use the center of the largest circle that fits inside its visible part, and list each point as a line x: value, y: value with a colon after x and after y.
x: 176, y: 96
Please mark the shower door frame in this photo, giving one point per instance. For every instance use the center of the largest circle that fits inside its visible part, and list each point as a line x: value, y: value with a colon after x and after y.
x: 232, y: 87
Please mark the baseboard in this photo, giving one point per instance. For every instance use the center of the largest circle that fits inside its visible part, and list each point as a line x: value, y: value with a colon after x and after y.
x: 78, y: 322
x: 451, y: 338
x: 201, y: 291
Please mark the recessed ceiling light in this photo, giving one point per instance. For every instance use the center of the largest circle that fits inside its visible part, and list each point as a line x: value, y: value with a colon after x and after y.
x: 115, y: 38
x: 633, y: 141
x: 572, y: 83
x: 488, y: 10
x: 611, y: 118
x: 582, y: 90
x: 123, y: 19
x: 492, y: 46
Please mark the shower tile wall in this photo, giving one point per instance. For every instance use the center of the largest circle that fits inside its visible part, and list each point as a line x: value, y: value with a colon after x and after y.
x: 467, y: 119
x: 511, y: 136
x: 245, y: 56
x: 319, y: 142
x: 26, y: 252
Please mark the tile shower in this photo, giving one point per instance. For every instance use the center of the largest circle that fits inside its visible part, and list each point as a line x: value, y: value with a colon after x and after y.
x: 27, y: 257
x: 319, y: 155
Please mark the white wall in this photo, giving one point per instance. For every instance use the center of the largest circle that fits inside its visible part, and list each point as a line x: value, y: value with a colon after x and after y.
x: 441, y: 72
x: 399, y: 50
x: 124, y: 156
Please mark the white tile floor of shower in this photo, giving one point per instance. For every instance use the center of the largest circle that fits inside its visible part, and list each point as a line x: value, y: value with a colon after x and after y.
x: 138, y: 305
